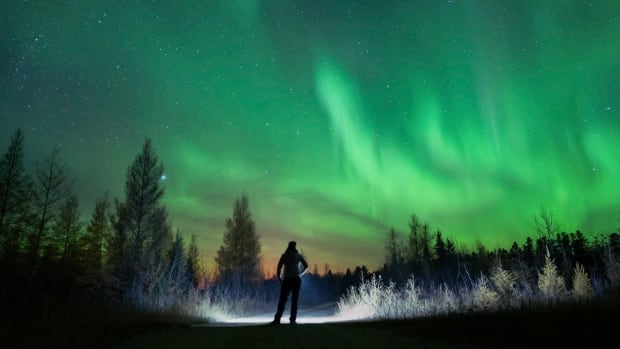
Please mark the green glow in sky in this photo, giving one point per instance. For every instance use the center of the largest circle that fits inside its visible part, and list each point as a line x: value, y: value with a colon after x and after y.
x: 339, y: 119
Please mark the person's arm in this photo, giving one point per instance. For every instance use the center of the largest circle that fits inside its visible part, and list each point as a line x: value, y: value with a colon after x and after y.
x: 304, y: 264
x: 279, y: 269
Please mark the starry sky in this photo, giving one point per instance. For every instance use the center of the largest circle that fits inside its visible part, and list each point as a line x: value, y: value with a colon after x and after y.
x: 339, y: 119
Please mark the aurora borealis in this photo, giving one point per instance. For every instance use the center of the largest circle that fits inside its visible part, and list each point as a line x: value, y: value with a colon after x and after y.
x: 339, y: 119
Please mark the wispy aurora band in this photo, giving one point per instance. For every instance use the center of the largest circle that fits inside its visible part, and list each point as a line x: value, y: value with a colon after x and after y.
x: 463, y: 191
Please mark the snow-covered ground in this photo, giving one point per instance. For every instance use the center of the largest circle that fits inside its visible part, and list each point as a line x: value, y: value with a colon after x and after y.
x: 315, y: 315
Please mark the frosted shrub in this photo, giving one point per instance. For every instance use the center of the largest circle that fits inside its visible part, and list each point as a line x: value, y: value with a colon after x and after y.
x: 582, y: 288
x: 361, y: 302
x: 389, y: 305
x: 212, y: 310
x: 403, y: 303
x: 225, y: 303
x: 220, y: 306
x: 372, y: 299
x: 413, y: 304
x: 443, y: 301
x: 483, y: 297
x: 612, y: 269
x: 525, y: 290
x: 505, y: 283
x: 550, y: 283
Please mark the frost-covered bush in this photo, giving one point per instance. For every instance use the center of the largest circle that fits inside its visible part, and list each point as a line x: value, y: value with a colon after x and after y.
x: 374, y: 299
x: 505, y: 283
x: 361, y: 302
x: 550, y: 282
x: 582, y: 288
x: 612, y: 269
x: 483, y: 297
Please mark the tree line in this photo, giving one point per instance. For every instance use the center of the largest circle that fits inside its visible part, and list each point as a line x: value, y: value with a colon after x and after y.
x: 126, y: 252
x: 435, y: 259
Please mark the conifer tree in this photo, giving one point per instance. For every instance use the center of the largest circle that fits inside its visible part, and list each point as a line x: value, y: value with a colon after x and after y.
x: 441, y: 253
x: 193, y: 265
x: 66, y: 231
x: 238, y: 259
x: 392, y: 250
x: 582, y: 287
x: 141, y: 233
x: 580, y: 248
x: 414, y: 249
x: 15, y: 196
x: 550, y: 282
x: 94, y: 244
x: 425, y: 245
x: 176, y: 282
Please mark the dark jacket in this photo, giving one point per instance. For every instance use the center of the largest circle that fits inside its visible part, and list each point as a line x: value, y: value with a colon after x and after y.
x: 294, y: 264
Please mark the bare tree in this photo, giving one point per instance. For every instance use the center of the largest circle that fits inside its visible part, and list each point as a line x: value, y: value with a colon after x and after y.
x: 545, y: 224
x: 51, y: 189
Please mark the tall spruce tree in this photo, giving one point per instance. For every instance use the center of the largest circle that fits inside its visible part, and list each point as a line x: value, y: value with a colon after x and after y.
x: 15, y: 197
x: 193, y: 265
x: 66, y: 231
x: 414, y: 248
x: 141, y: 235
x: 238, y: 259
x: 177, y: 281
x: 392, y: 258
x: 94, y: 245
x: 425, y: 245
x: 441, y: 253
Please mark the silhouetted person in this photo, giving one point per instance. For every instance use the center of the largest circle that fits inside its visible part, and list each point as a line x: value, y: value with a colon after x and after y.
x: 294, y: 267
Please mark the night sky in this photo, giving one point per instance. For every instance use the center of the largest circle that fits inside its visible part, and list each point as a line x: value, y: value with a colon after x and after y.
x: 339, y: 119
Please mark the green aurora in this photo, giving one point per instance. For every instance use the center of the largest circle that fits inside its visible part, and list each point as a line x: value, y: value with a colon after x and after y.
x: 339, y: 119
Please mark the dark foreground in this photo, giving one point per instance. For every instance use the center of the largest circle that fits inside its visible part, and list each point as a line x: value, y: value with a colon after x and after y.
x: 575, y: 327
x: 595, y: 325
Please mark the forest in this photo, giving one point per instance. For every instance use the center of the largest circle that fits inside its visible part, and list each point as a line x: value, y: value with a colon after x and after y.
x: 58, y: 269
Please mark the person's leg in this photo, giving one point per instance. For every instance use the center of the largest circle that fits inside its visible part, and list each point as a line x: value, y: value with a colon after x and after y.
x: 285, y: 288
x: 295, y: 287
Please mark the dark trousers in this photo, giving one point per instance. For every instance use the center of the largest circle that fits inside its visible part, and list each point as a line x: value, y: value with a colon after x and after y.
x: 289, y: 285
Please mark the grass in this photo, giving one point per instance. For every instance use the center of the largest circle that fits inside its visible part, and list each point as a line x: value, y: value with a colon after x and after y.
x: 65, y: 325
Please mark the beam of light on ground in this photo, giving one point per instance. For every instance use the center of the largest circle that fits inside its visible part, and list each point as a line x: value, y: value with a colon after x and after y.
x: 324, y: 313
x: 265, y: 319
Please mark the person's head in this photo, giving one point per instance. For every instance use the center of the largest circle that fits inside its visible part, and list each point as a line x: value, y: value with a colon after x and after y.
x: 292, y: 245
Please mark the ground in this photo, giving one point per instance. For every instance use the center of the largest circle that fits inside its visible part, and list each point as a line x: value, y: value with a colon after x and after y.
x: 587, y: 325
x: 284, y: 336
x: 571, y: 327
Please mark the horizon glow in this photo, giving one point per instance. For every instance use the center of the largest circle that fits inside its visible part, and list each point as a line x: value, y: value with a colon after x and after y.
x: 338, y: 119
